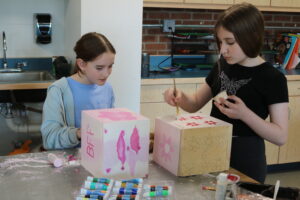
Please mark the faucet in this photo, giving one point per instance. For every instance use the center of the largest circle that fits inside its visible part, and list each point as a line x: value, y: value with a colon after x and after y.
x: 4, y: 51
x: 5, y: 65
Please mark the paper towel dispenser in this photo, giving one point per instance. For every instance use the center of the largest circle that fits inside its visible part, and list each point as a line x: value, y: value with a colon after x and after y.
x: 43, y: 28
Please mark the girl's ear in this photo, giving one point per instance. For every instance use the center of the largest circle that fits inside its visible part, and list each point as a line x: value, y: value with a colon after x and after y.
x: 81, y: 64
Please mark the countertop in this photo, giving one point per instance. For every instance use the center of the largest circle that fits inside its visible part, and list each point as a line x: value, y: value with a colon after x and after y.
x: 24, y: 86
x: 182, y: 76
x: 198, y: 76
x: 31, y: 176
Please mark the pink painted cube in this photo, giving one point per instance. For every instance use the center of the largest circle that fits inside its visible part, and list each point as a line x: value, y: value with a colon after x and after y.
x: 115, y: 143
x: 192, y: 144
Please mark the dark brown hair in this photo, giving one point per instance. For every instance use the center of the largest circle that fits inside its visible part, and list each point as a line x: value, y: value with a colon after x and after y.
x: 90, y: 46
x: 246, y: 23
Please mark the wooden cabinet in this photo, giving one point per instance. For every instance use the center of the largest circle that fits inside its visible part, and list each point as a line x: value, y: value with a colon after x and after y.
x: 255, y: 2
x: 210, y: 1
x: 263, y: 5
x: 285, y: 3
x: 153, y: 105
x: 290, y: 152
x: 152, y: 99
x: 165, y: 1
x: 272, y: 153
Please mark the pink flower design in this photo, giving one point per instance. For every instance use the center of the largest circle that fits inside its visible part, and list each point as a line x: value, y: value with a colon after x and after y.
x: 116, y: 115
x: 135, y: 140
x: 121, y: 148
x: 196, y: 117
x: 210, y: 122
x: 182, y: 119
x: 192, y: 124
x: 166, y: 148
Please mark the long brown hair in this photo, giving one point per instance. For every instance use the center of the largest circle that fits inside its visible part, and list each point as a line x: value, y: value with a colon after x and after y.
x: 246, y: 23
x: 90, y: 46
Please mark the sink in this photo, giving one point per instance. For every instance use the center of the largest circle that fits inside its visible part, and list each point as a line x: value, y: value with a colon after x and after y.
x: 26, y: 95
x: 25, y: 76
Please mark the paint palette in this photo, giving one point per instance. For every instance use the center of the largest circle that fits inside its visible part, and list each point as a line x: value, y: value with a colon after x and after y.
x: 115, y: 143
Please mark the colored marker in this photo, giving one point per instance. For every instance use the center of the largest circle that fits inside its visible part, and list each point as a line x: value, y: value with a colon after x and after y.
x: 99, y: 180
x: 127, y: 184
x: 85, y: 198
x: 135, y: 180
x: 162, y: 193
x: 93, y: 192
x: 124, y: 197
x: 92, y: 196
x: 156, y: 187
x: 96, y: 186
x: 130, y: 191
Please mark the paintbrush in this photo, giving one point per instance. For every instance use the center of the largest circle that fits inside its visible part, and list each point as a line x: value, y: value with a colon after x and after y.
x: 175, y: 93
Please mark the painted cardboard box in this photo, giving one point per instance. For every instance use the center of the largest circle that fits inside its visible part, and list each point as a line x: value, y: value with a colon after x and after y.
x: 115, y: 143
x: 192, y: 144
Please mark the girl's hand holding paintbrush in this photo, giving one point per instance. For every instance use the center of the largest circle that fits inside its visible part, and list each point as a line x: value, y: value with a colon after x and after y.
x: 173, y: 96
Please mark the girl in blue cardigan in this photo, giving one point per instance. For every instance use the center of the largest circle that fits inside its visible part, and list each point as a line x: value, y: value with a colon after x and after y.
x: 86, y: 89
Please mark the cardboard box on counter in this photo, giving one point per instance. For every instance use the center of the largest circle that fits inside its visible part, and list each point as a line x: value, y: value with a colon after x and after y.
x: 192, y: 144
x: 115, y: 143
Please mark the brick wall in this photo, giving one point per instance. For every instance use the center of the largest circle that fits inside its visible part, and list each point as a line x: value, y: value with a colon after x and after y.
x: 155, y: 42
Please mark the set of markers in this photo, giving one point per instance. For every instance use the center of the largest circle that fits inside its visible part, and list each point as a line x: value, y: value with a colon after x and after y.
x: 130, y: 189
x: 95, y: 189
x: 158, y: 192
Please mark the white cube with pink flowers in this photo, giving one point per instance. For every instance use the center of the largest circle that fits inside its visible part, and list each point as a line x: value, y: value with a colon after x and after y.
x: 192, y: 144
x: 115, y: 143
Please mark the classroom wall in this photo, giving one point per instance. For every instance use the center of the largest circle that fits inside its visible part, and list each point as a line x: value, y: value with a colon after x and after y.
x: 17, y: 20
x: 155, y: 42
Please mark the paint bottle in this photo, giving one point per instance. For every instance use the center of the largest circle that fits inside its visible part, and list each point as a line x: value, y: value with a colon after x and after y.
x: 86, y: 198
x: 99, y: 180
x: 135, y: 180
x: 93, y: 192
x: 92, y: 196
x: 156, y: 187
x: 96, y: 186
x: 221, y: 186
x: 55, y: 160
x: 129, y: 191
x: 161, y: 193
x: 124, y: 197
x: 127, y: 184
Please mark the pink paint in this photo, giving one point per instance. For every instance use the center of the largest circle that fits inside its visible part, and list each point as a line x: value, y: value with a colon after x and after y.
x: 196, y: 117
x: 135, y: 140
x: 116, y: 115
x: 89, y: 143
x: 192, y: 124
x: 121, y: 148
x: 105, y: 131
x: 210, y: 122
x: 132, y: 160
x: 90, y: 148
x: 108, y: 170
x: 182, y: 119
x: 166, y: 148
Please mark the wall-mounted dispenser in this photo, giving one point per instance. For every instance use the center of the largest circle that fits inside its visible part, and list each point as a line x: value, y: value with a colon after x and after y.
x: 43, y: 28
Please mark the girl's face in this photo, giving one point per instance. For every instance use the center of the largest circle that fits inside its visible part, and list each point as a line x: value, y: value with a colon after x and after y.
x: 230, y: 49
x: 98, y: 70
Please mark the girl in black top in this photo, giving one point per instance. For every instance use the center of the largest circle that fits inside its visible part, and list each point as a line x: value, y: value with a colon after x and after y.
x: 254, y: 87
